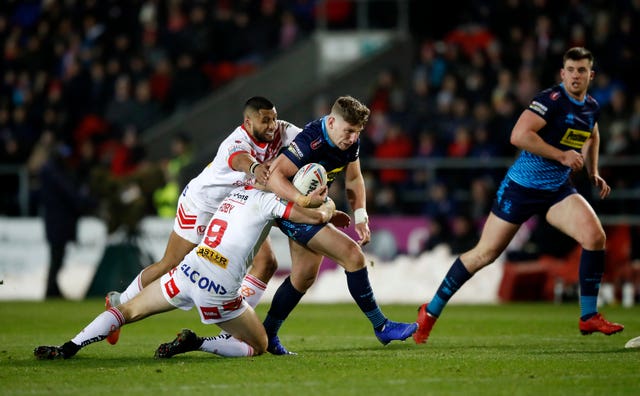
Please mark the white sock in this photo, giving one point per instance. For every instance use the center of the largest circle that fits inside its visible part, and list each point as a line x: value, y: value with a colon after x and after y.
x: 98, y: 330
x: 226, y: 346
x: 132, y: 290
x: 252, y: 290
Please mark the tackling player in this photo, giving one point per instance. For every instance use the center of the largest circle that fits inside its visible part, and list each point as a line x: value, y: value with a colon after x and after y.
x: 242, y: 158
x: 210, y: 277
x: 558, y: 134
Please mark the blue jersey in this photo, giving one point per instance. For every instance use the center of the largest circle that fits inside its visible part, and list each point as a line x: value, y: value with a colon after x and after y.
x: 569, y: 125
x: 313, y: 145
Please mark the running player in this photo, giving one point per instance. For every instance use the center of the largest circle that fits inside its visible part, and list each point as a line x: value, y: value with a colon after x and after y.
x: 332, y: 141
x: 558, y: 134
x: 209, y: 277
x: 242, y: 159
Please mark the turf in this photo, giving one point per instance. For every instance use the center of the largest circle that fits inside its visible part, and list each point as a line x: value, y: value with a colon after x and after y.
x: 514, y: 349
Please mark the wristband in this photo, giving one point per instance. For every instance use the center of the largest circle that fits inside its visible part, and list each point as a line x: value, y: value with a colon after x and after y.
x: 303, y: 200
x: 360, y: 215
x: 252, y: 168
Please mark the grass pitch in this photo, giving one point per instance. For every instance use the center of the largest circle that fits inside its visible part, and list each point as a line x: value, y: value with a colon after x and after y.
x: 514, y: 349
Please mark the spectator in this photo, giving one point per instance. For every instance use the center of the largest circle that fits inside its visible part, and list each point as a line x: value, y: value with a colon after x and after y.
x: 396, y: 145
x: 129, y: 154
x: 66, y: 200
x: 165, y: 198
x: 119, y: 111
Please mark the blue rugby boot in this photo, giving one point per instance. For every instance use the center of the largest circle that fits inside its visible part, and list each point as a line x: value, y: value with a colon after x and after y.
x: 395, y: 331
x: 276, y: 348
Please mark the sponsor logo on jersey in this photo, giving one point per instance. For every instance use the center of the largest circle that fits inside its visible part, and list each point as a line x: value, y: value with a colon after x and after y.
x: 331, y: 176
x: 202, y: 282
x: 209, y: 313
x: 213, y: 256
x: 316, y: 144
x: 570, y: 119
x: 538, y: 107
x: 171, y: 288
x: 295, y: 150
x: 236, y: 149
x: 554, y: 95
x: 575, y: 138
x: 240, y: 196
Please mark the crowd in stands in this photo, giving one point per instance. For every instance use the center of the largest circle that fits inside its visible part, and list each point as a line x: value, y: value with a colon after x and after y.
x: 92, y: 76
x: 469, y: 86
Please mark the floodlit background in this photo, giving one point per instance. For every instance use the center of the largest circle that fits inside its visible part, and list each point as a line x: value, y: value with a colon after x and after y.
x: 136, y: 95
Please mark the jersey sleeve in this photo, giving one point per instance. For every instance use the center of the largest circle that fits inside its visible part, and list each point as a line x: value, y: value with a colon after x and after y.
x: 290, y: 132
x: 275, y: 207
x: 299, y: 150
x: 543, y: 104
x: 235, y: 147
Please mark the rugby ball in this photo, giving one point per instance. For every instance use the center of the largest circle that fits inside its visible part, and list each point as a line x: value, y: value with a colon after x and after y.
x: 310, y: 177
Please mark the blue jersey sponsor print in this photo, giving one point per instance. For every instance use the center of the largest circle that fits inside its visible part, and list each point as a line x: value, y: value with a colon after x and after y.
x: 569, y: 125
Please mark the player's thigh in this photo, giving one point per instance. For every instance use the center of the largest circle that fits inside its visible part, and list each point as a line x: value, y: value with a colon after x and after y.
x: 305, y: 265
x: 339, y: 247
x: 248, y: 328
x: 494, y: 239
x: 148, y: 302
x: 265, y: 259
x: 576, y: 218
x: 177, y: 248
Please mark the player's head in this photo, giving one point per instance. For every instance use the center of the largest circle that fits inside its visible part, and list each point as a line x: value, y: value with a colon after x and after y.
x: 260, y: 117
x: 577, y: 71
x: 345, y: 122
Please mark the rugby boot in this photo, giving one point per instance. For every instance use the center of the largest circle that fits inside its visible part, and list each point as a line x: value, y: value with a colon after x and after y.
x: 395, y: 331
x: 425, y: 324
x: 598, y: 323
x: 275, y: 347
x: 186, y: 341
x: 112, y: 299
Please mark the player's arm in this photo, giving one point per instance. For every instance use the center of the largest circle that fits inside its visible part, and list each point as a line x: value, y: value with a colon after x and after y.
x: 525, y: 137
x: 356, y: 194
x: 319, y: 215
x: 282, y: 169
x: 244, y: 162
x: 590, y: 152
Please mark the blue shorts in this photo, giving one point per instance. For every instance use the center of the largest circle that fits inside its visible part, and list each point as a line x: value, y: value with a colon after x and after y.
x: 516, y: 204
x: 299, y: 232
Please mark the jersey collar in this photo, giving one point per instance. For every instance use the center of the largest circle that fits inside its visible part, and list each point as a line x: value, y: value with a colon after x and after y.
x: 257, y: 143
x: 571, y: 98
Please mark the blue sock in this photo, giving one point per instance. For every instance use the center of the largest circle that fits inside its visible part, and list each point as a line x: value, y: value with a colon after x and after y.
x: 455, y: 278
x: 360, y: 289
x: 590, y: 273
x: 284, y: 301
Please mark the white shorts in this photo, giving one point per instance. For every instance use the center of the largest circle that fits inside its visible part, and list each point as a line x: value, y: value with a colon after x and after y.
x: 190, y: 222
x: 193, y: 284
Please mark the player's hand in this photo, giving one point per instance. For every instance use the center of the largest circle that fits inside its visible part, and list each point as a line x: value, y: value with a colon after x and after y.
x: 262, y: 174
x: 364, y: 234
x: 340, y: 219
x: 600, y: 183
x: 572, y: 159
x: 318, y: 196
